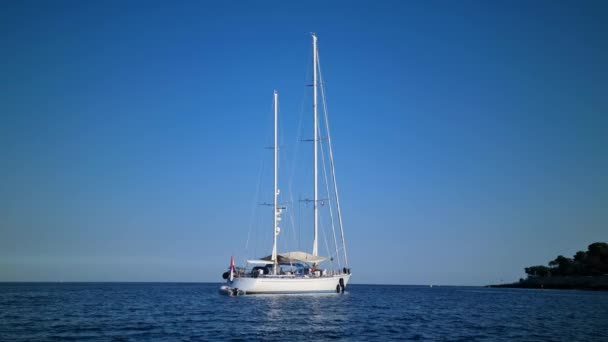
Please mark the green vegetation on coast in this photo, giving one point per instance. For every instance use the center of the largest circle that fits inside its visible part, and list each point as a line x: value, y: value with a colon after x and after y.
x: 586, y: 270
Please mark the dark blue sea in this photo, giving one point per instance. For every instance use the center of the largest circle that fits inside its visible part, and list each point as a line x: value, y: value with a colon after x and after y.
x: 196, y: 312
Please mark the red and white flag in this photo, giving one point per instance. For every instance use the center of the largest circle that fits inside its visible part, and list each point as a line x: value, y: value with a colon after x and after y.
x: 231, y: 268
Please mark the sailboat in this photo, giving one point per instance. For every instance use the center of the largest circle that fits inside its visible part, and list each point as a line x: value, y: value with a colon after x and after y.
x: 296, y: 271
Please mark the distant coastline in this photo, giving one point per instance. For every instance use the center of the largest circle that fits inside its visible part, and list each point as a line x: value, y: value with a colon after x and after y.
x: 587, y: 270
x: 597, y: 283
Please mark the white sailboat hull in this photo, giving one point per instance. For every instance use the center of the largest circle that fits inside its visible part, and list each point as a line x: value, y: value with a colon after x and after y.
x: 263, y: 285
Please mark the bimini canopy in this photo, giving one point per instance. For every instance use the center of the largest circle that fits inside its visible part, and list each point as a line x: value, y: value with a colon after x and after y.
x: 295, y: 257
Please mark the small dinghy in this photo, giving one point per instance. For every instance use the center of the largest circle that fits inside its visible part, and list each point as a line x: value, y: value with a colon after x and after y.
x: 231, y: 291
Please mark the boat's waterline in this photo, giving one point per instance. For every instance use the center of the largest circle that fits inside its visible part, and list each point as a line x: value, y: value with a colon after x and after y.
x: 269, y: 285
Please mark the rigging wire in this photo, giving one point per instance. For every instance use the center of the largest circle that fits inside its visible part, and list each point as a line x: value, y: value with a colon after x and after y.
x: 331, y: 159
x: 326, y: 244
x: 253, y: 217
x: 329, y: 203
x: 294, y: 160
x: 254, y: 204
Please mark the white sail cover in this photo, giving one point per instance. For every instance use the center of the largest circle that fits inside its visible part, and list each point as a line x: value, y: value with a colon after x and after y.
x: 302, y: 257
x: 295, y: 257
x: 261, y: 262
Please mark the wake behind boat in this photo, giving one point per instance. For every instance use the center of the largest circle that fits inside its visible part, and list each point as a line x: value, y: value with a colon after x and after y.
x: 297, y: 271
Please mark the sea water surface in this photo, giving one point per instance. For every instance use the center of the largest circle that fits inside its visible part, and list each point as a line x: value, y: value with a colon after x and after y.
x: 196, y: 312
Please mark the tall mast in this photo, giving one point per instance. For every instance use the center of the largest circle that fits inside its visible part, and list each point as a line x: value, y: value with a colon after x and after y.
x: 314, y: 110
x: 276, y: 211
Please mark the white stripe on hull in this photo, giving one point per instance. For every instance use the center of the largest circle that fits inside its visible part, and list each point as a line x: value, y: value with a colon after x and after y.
x: 289, y: 285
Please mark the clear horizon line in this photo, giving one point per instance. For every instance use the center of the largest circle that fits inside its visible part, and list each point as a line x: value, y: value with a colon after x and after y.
x: 194, y: 282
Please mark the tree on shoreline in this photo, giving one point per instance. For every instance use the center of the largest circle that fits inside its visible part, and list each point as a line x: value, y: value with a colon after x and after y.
x: 592, y: 262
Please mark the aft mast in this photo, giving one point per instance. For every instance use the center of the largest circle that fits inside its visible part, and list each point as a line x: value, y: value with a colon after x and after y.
x: 315, y: 141
x: 276, y: 211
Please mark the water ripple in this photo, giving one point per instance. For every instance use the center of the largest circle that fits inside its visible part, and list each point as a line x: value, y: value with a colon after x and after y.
x: 194, y: 312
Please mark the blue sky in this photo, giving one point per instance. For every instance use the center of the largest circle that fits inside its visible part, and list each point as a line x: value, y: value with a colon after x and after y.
x: 470, y: 137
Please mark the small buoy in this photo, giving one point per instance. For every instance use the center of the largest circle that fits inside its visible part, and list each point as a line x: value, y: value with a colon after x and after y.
x: 338, y: 288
